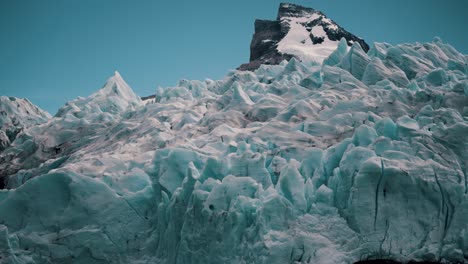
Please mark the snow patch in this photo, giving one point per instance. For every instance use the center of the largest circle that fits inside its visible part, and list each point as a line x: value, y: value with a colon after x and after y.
x: 298, y: 41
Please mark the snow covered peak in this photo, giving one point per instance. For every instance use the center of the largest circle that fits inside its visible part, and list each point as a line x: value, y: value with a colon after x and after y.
x: 114, y: 97
x: 301, y: 32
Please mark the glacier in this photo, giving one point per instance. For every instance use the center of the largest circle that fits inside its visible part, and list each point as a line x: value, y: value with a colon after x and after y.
x: 360, y: 155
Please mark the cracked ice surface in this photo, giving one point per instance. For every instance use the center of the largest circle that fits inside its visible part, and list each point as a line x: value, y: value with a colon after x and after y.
x: 362, y: 157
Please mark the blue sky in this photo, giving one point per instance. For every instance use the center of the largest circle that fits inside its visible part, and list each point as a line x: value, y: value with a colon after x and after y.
x: 52, y: 51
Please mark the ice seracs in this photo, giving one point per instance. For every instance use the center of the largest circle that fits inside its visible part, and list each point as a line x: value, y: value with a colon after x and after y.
x: 114, y: 97
x: 362, y: 157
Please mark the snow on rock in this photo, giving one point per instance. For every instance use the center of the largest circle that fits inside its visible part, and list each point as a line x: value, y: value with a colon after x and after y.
x: 299, y: 40
x: 363, y: 157
x: 298, y: 32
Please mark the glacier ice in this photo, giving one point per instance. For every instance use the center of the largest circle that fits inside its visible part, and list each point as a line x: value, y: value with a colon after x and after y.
x: 17, y: 114
x: 355, y: 61
x: 114, y: 97
x: 361, y: 157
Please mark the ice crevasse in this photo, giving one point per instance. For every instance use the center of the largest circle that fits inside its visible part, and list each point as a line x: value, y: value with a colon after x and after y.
x: 361, y: 157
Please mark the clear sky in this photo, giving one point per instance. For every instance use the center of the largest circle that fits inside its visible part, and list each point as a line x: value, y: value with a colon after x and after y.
x: 52, y: 51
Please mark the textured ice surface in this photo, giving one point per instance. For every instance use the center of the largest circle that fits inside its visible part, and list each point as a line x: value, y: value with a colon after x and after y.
x: 115, y: 97
x: 364, y: 157
x: 15, y: 115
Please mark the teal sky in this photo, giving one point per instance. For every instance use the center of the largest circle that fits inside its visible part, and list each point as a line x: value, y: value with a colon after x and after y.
x: 52, y: 51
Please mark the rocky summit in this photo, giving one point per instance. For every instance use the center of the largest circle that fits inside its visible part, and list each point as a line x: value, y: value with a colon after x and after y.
x: 300, y: 32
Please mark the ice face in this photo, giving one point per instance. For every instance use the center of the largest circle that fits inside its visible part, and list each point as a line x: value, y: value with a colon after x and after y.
x: 355, y: 61
x: 362, y: 157
x: 337, y: 55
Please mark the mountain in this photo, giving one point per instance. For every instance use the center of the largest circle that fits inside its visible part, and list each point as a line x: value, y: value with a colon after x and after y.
x: 358, y: 158
x: 300, y: 32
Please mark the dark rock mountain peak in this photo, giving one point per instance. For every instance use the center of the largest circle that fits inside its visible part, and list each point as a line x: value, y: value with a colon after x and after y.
x: 300, y: 32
